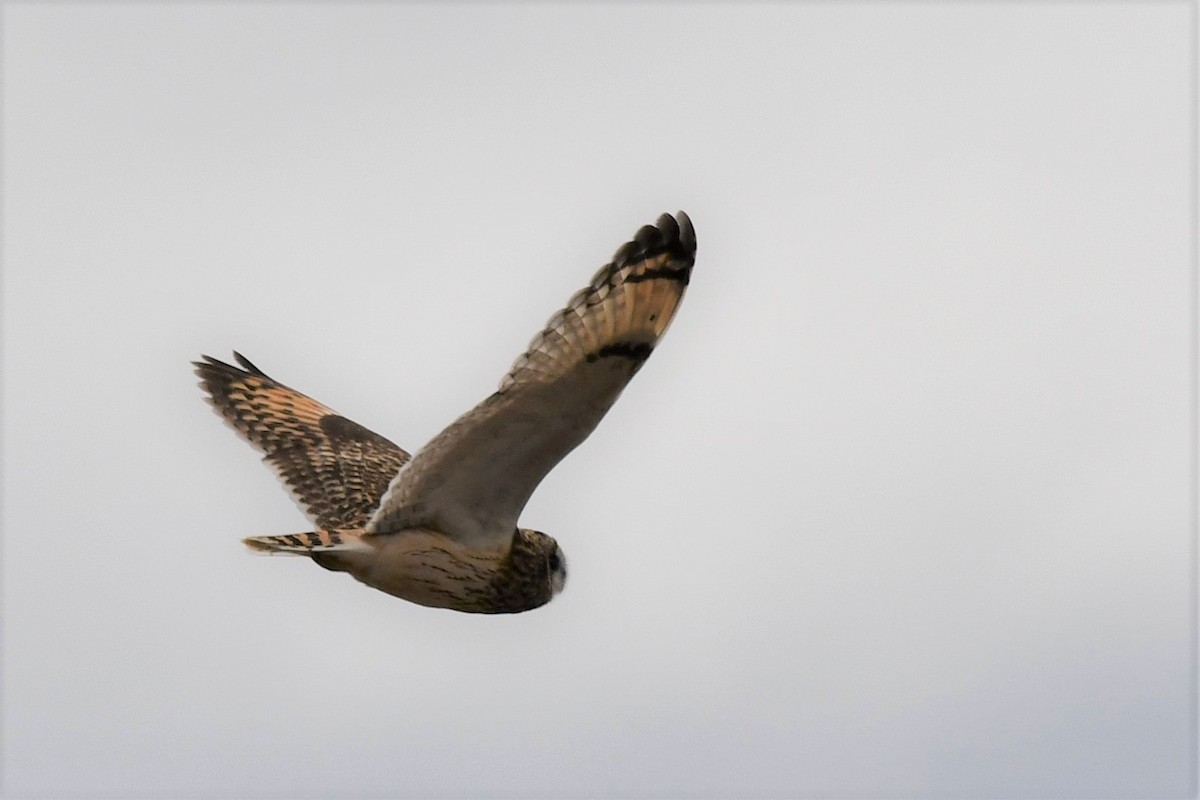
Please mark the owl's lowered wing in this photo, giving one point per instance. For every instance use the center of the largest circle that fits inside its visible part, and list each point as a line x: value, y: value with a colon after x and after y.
x: 474, y: 478
x: 336, y: 469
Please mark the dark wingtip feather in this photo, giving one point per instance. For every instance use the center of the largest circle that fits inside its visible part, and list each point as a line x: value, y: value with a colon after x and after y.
x: 673, y: 235
x: 213, y: 363
x: 246, y: 365
x: 686, y: 233
x: 211, y: 368
x: 648, y: 236
x: 669, y: 227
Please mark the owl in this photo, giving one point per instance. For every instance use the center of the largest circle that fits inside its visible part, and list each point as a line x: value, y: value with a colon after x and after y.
x: 440, y: 528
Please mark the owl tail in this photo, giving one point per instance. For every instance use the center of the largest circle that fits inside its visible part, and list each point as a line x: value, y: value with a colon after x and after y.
x: 306, y: 544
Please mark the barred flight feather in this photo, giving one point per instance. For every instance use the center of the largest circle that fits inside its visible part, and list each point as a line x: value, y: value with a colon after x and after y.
x: 335, y: 469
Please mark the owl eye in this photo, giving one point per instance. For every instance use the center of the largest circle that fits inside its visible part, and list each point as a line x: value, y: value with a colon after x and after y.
x: 555, y: 561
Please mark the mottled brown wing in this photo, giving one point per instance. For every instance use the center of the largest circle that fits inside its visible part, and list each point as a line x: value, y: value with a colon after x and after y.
x: 472, y: 481
x: 336, y: 469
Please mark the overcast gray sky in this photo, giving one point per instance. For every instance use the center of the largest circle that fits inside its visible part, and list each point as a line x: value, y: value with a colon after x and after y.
x: 901, y: 507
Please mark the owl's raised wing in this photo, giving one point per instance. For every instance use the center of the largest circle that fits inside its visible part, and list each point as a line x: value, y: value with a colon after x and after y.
x: 336, y: 469
x: 474, y: 478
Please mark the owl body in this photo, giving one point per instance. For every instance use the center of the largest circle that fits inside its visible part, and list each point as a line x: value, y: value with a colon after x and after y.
x: 426, y: 567
x: 440, y: 528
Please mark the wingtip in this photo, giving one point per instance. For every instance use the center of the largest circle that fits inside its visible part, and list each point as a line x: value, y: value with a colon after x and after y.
x: 669, y: 234
x: 246, y: 364
x: 208, y: 365
x: 204, y: 369
x: 216, y: 378
x: 676, y: 233
x: 687, y: 234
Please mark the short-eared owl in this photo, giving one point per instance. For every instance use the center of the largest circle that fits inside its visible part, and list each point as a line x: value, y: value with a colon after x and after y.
x: 440, y: 528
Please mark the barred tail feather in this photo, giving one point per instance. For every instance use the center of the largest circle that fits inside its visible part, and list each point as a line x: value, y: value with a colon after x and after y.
x: 308, y: 543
